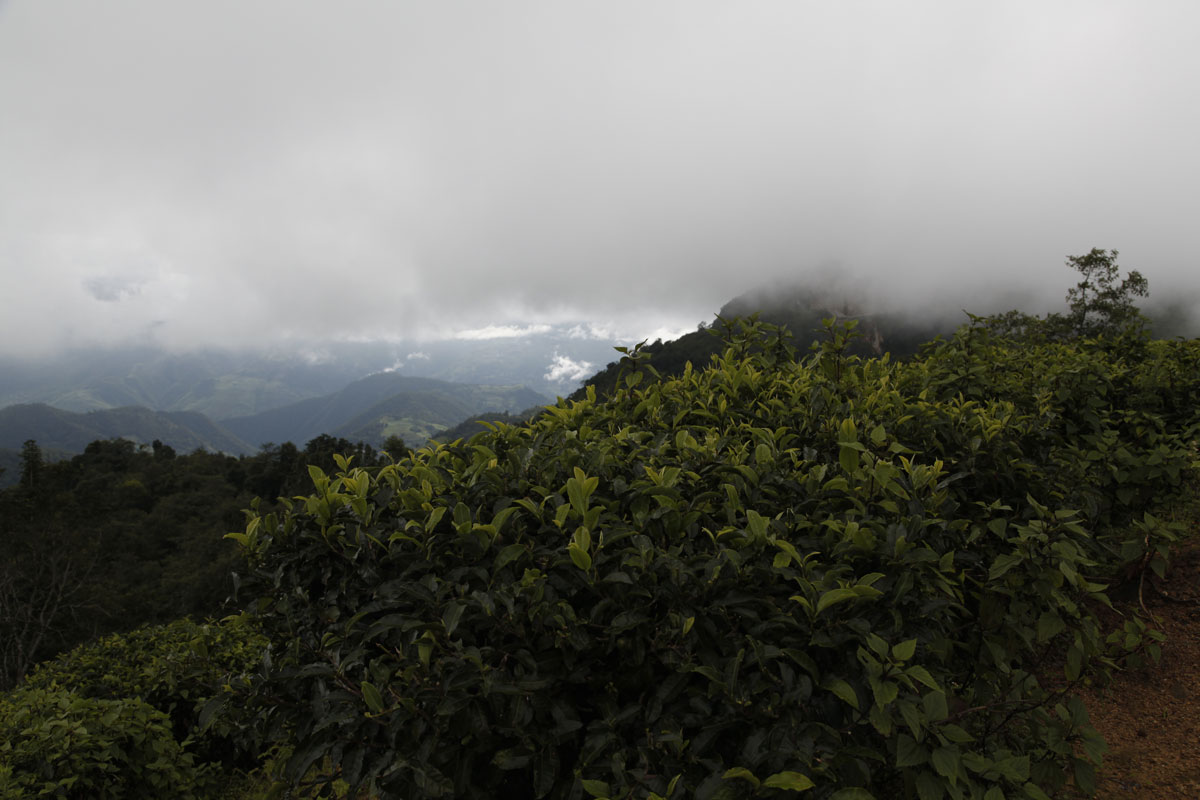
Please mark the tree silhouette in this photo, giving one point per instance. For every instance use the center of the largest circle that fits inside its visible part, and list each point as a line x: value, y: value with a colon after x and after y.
x: 1099, y: 305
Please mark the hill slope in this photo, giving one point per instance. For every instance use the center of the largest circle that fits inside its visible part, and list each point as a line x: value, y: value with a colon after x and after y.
x: 382, y: 405
x: 801, y: 310
x: 66, y: 430
x: 217, y: 384
x: 230, y: 383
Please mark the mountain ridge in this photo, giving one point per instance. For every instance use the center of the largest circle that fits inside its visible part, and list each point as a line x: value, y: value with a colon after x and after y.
x: 73, y: 431
x: 228, y: 384
x: 348, y: 411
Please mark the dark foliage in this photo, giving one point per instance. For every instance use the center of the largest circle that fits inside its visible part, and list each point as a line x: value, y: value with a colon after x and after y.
x: 774, y: 574
x: 122, y: 535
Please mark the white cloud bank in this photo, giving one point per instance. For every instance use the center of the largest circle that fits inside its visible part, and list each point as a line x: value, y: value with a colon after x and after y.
x: 271, y: 170
x: 563, y: 369
x: 502, y: 332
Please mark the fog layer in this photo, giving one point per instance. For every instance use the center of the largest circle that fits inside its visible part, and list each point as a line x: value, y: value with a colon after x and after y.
x: 239, y: 172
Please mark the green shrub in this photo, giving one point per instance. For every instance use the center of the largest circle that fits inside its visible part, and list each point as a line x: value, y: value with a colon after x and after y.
x: 768, y: 576
x: 54, y: 743
x: 180, y: 669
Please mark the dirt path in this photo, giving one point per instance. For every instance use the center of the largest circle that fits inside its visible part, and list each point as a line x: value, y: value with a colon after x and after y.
x: 1151, y: 716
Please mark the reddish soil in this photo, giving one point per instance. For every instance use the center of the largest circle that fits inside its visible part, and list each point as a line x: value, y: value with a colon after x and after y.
x: 1151, y: 716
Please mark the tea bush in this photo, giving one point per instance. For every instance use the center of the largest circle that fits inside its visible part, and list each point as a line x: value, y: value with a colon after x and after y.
x: 134, y: 713
x: 768, y: 576
x: 54, y: 743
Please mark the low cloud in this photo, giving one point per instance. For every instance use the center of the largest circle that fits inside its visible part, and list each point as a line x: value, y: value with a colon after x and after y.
x: 113, y: 288
x: 502, y: 332
x: 667, y: 333
x: 480, y: 167
x: 594, y: 330
x: 399, y: 363
x: 563, y: 369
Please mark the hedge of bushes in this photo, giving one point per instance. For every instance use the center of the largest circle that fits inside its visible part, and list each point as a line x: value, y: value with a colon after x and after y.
x: 839, y: 577
x: 139, y: 715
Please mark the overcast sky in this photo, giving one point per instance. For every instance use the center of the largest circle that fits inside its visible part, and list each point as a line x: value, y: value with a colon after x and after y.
x: 236, y: 171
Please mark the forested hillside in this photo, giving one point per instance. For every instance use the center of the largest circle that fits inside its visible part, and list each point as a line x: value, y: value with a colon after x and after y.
x: 383, y: 405
x: 122, y: 535
x: 799, y: 310
x: 372, y: 410
x: 785, y: 572
x: 222, y: 384
x: 217, y: 384
x: 55, y: 429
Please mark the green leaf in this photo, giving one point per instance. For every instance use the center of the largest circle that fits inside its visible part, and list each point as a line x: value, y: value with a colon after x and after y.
x: 576, y: 496
x: 452, y: 615
x: 885, y: 692
x: 909, y: 753
x: 848, y: 458
x: 1074, y: 665
x: 583, y: 539
x: 596, y: 788
x: 748, y: 473
x: 462, y: 517
x: 912, y: 717
x: 1095, y: 746
x: 945, y: 761
x: 905, y: 650
x: 1032, y: 790
x: 1050, y: 625
x: 1014, y: 769
x: 212, y: 707
x: 789, y: 781
x: 930, y: 786
x: 1003, y: 564
x: 506, y: 555
x: 579, y: 557
x: 788, y: 551
x: 834, y: 596
x: 757, y: 524
x: 842, y: 689
x: 372, y: 697
x: 881, y: 720
x: 743, y: 773
x: 878, y: 435
x: 956, y: 734
x: 852, y: 793
x: 502, y: 516
x: 318, y: 476
x: 935, y: 705
x: 512, y: 758
x: 435, y: 516
x: 545, y: 770
x: 919, y: 673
